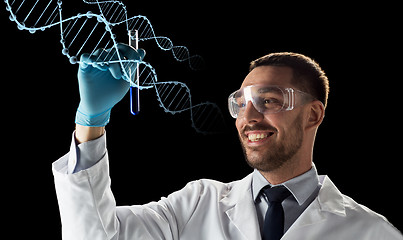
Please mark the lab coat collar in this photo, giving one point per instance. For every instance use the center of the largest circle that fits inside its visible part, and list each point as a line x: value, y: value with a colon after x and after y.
x: 329, y: 200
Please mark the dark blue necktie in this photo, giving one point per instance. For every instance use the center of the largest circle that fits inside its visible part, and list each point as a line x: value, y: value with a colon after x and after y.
x: 273, y: 228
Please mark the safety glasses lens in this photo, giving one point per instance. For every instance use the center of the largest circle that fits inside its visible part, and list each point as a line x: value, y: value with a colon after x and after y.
x: 266, y: 99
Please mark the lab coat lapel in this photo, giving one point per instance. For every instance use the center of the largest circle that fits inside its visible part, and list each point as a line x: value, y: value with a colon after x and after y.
x: 240, y: 209
x: 329, y: 200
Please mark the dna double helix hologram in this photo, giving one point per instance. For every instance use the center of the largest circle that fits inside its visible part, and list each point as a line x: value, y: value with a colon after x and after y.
x: 98, y: 28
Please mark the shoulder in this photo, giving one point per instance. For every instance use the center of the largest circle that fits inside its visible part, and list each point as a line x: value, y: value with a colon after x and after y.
x: 366, y: 218
x: 346, y: 213
x: 214, y: 187
x: 201, y: 194
x: 356, y: 210
x: 210, y: 190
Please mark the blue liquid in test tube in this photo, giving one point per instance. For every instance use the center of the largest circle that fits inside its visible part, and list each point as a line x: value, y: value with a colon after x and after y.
x: 134, y: 91
x: 134, y: 100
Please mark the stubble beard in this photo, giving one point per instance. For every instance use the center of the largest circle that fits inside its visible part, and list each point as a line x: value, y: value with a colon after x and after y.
x: 278, y: 153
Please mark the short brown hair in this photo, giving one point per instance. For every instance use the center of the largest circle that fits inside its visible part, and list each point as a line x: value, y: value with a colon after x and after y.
x: 308, y: 75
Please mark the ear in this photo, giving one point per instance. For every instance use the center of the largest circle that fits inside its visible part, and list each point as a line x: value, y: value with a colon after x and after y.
x: 316, y: 114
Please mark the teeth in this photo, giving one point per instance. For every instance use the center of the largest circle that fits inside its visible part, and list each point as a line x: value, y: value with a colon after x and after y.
x: 256, y: 137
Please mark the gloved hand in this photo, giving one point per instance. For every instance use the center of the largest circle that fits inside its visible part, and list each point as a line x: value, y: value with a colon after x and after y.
x: 102, y: 85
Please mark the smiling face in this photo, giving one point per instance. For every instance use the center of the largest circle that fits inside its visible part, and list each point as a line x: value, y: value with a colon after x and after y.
x: 270, y: 140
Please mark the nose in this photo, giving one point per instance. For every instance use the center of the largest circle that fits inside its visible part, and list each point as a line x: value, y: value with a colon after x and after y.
x: 251, y: 115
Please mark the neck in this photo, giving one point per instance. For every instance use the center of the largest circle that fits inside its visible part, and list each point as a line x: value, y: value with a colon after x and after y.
x: 296, y: 166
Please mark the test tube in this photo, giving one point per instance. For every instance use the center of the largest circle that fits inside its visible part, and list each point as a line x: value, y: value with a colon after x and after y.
x: 134, y: 91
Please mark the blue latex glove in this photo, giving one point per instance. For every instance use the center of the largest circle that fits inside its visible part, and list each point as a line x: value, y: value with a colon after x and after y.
x: 102, y: 86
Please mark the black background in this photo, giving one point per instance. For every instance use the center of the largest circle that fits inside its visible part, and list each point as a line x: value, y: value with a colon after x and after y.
x: 155, y: 153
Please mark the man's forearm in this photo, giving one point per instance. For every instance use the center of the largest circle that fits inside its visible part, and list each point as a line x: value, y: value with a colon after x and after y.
x: 85, y: 134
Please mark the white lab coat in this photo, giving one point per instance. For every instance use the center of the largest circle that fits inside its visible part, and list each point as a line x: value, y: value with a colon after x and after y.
x: 203, y: 209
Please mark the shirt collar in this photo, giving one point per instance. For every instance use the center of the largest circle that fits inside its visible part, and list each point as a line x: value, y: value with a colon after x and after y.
x: 301, y: 187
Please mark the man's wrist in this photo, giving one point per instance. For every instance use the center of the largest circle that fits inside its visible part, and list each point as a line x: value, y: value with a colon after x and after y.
x: 87, y: 133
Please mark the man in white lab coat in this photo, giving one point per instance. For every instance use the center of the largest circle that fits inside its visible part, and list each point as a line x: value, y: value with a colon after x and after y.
x: 278, y: 110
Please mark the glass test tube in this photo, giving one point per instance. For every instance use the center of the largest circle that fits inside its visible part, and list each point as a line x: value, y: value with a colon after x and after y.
x: 134, y: 90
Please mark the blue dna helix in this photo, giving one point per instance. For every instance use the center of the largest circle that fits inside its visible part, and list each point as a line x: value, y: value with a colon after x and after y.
x: 96, y: 29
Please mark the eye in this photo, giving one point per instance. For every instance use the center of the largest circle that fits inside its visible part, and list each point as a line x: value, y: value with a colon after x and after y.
x: 271, y: 101
x: 271, y: 104
x: 240, y: 102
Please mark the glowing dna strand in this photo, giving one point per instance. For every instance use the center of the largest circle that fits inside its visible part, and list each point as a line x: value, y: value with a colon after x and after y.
x: 174, y: 97
x: 91, y: 31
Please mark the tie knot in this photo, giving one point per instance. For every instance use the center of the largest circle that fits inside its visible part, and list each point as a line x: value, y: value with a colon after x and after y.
x: 276, y: 194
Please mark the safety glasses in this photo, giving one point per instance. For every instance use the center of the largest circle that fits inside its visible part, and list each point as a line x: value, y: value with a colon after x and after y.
x: 266, y: 99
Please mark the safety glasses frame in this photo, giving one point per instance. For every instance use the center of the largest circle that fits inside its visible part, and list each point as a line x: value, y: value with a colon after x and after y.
x: 267, y: 99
